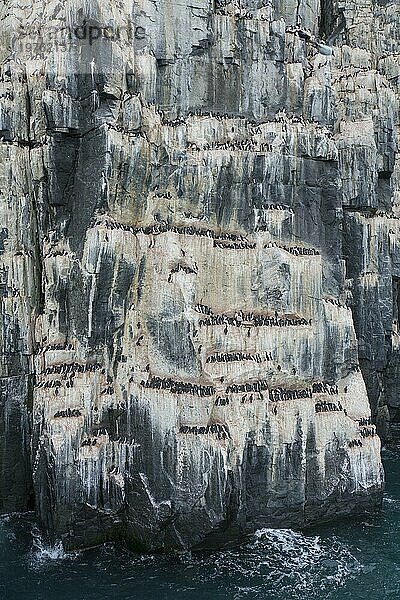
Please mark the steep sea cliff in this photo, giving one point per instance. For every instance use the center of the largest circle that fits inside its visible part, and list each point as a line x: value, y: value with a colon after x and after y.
x: 200, y: 265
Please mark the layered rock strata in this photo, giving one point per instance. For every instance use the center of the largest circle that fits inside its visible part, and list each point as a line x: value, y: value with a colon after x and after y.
x: 200, y: 265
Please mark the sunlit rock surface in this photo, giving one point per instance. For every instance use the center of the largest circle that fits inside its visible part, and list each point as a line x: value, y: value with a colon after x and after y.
x: 200, y: 264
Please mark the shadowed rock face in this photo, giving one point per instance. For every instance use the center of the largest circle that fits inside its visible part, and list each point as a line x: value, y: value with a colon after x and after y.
x: 200, y: 265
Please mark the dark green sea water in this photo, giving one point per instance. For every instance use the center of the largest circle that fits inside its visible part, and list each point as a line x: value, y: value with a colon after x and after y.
x: 355, y: 560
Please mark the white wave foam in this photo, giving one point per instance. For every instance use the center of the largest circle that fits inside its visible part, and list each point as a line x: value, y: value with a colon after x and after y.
x: 303, y: 563
x: 43, y: 553
x: 277, y: 563
x: 390, y: 500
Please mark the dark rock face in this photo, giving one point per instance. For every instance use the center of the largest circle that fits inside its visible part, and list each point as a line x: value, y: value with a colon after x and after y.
x: 16, y: 491
x: 200, y: 277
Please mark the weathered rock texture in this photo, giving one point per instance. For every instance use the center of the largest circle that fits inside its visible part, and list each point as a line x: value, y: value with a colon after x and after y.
x: 200, y: 265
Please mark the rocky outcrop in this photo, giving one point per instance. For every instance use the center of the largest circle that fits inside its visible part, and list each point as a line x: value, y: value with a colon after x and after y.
x: 200, y: 255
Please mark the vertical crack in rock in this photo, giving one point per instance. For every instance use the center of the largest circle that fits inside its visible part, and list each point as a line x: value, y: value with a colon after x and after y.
x: 200, y: 265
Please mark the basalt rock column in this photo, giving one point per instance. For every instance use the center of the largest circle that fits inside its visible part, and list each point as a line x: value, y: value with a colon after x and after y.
x: 185, y: 302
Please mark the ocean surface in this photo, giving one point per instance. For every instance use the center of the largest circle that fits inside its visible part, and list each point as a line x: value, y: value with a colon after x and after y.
x: 354, y: 559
